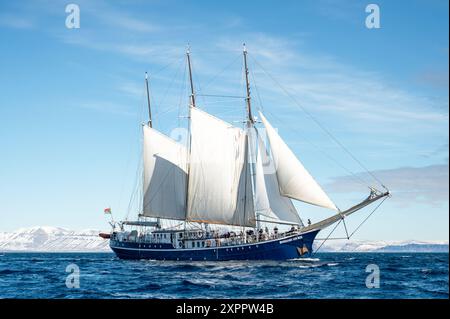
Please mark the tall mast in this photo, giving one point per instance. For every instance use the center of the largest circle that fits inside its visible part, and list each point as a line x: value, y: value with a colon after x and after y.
x: 150, y: 124
x: 188, y: 54
x: 148, y: 101
x: 247, y: 83
x: 188, y: 139
x: 250, y: 124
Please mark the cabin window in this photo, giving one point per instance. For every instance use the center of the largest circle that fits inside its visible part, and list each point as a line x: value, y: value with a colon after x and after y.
x: 193, y: 244
x: 198, y: 244
x: 203, y: 244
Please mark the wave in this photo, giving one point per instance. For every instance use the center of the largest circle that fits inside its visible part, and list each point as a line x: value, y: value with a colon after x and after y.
x: 305, y: 259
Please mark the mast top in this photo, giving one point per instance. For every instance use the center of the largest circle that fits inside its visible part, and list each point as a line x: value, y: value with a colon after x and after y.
x: 188, y: 54
x: 150, y: 121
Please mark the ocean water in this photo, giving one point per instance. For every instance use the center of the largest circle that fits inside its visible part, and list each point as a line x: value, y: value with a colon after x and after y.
x: 329, y: 275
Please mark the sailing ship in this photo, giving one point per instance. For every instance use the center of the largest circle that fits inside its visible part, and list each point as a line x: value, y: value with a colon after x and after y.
x: 228, y: 176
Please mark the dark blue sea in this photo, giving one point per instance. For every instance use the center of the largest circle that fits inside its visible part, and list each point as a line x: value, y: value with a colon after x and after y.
x: 329, y: 275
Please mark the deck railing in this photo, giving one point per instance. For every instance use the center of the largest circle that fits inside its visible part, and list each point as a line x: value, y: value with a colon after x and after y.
x: 210, y: 241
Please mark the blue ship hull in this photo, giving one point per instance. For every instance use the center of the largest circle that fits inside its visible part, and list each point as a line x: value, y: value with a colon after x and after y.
x: 289, y: 247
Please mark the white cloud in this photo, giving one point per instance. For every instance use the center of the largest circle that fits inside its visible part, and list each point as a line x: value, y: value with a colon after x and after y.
x: 409, y: 185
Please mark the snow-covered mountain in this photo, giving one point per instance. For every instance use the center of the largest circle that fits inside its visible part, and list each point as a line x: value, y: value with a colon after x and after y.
x: 52, y: 239
x: 383, y: 246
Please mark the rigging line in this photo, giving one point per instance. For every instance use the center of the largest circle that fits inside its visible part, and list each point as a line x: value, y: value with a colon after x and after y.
x: 139, y: 172
x: 167, y: 65
x: 130, y: 152
x: 227, y: 96
x: 320, y: 125
x: 243, y: 86
x: 183, y: 89
x: 355, y: 177
x: 256, y: 89
x: 164, y: 96
x: 167, y: 110
x: 345, y: 227
x: 323, y: 242
x: 220, y: 72
x: 134, y: 192
x: 196, y: 80
x: 374, y: 210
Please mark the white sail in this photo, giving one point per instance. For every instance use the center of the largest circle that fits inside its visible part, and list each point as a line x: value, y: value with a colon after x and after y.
x: 268, y: 200
x: 293, y: 179
x: 164, y: 176
x: 219, y: 181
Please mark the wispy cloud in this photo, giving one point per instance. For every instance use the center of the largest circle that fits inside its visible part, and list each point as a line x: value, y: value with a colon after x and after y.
x: 107, y: 107
x: 131, y: 89
x: 16, y: 21
x: 323, y: 83
x: 409, y: 185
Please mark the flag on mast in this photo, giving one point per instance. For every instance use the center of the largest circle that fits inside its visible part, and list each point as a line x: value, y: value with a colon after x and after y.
x: 107, y: 210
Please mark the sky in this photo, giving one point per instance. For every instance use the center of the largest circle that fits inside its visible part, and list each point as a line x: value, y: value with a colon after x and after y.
x: 72, y: 101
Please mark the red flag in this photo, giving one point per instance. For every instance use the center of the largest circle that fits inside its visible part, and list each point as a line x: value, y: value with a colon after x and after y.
x: 107, y: 210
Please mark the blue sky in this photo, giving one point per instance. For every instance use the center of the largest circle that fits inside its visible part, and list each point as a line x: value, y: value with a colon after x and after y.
x: 72, y: 100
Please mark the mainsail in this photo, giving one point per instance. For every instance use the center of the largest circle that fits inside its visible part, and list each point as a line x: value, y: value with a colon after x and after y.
x: 293, y: 179
x: 268, y: 200
x: 219, y: 189
x: 164, y: 176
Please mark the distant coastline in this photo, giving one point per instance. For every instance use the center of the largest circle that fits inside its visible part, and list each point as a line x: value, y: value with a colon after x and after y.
x: 47, y: 239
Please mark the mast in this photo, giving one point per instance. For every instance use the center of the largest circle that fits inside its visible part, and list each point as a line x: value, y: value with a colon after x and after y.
x: 250, y: 123
x: 150, y: 124
x: 157, y: 224
x: 188, y: 54
x: 247, y: 83
x: 188, y: 140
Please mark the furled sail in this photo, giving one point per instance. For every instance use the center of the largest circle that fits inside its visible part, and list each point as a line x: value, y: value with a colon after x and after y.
x: 164, y: 176
x: 268, y: 200
x: 293, y: 179
x: 219, y: 179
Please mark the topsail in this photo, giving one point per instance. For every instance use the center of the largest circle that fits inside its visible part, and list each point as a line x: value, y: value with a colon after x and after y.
x: 219, y: 189
x: 293, y: 179
x: 164, y: 176
x: 269, y: 202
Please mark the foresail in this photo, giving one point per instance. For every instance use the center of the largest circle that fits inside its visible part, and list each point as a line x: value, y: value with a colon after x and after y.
x: 164, y: 176
x: 268, y: 200
x: 219, y: 179
x: 293, y: 179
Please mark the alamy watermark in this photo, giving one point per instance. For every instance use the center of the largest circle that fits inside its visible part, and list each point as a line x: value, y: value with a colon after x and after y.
x: 73, y: 19
x: 373, y: 19
x: 373, y: 279
x: 73, y: 279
